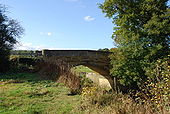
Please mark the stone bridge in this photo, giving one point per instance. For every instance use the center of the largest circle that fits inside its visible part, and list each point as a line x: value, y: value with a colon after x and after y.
x: 95, y: 60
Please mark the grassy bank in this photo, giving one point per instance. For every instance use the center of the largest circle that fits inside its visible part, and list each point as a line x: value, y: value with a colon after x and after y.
x: 26, y: 93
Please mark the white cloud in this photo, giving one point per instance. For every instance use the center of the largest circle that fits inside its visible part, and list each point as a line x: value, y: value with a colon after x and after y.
x: 46, y: 33
x: 89, y: 18
x: 30, y: 46
x: 49, y: 33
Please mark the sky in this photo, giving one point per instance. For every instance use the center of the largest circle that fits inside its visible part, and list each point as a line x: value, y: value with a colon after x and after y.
x: 61, y: 24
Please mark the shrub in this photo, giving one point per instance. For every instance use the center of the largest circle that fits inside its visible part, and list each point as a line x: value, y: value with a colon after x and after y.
x: 85, y: 82
x: 96, y: 100
x: 156, y: 90
x: 153, y: 99
x: 4, y: 61
x: 23, y: 64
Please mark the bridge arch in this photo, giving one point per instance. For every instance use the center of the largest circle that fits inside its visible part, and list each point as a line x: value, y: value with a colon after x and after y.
x: 95, y: 60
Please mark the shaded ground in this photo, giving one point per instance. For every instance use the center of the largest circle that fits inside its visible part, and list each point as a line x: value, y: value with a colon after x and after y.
x: 25, y: 93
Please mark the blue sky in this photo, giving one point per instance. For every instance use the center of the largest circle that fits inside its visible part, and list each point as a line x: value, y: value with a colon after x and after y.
x: 61, y: 24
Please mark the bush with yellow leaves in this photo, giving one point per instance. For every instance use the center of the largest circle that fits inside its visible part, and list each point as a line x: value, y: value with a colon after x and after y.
x: 88, y: 91
x: 156, y: 91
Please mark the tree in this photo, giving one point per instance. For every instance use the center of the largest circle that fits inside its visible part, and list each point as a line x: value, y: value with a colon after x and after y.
x: 142, y: 35
x: 104, y: 49
x: 10, y: 30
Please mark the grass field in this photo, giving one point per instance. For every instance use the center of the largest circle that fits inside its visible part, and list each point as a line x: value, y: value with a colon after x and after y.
x: 82, y: 68
x: 25, y: 93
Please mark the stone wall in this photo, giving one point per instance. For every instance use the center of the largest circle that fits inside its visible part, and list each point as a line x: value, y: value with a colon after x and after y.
x: 99, y: 80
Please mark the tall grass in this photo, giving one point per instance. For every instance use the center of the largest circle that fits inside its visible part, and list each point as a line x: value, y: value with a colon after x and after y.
x: 98, y: 101
x: 153, y: 99
x: 60, y: 71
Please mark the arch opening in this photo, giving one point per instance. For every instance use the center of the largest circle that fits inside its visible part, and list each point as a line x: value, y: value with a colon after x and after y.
x: 93, y: 75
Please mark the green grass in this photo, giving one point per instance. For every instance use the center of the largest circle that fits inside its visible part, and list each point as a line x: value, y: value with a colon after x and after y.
x: 82, y: 68
x: 25, y: 93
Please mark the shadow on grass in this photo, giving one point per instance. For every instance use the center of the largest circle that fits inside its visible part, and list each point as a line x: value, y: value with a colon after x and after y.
x: 31, y: 78
x: 23, y: 77
x: 20, y: 76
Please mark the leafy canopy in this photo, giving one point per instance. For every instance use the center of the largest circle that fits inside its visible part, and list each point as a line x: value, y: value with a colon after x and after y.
x: 10, y: 30
x: 142, y: 36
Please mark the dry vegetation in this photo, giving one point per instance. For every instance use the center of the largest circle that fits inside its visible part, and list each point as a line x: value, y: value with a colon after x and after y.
x: 58, y: 70
x: 153, y: 97
x: 98, y: 101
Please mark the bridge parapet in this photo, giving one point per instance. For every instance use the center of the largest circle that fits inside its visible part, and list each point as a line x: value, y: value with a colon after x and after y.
x: 80, y: 53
